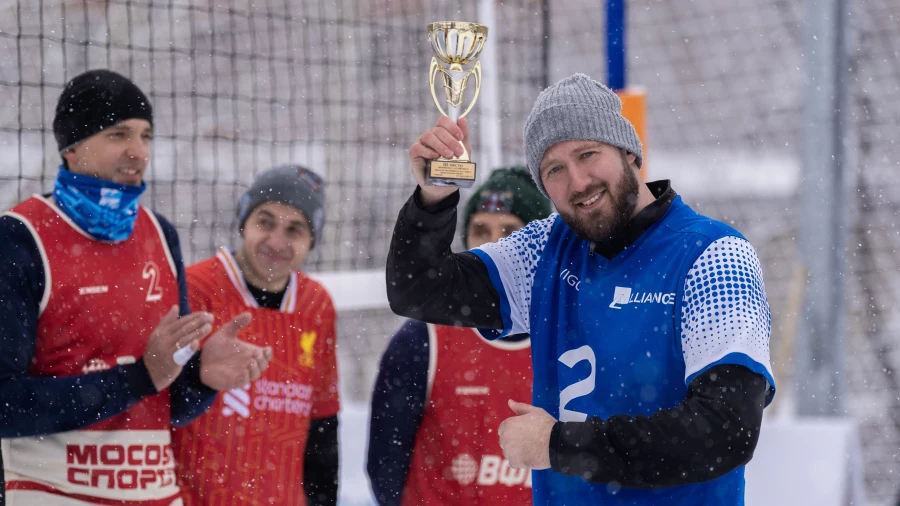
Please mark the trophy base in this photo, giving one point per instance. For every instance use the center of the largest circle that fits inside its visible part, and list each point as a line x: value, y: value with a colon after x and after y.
x: 442, y: 172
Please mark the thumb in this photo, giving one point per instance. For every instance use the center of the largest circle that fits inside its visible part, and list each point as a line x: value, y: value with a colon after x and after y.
x: 521, y: 408
x: 170, y: 316
x: 240, y: 321
x: 166, y: 324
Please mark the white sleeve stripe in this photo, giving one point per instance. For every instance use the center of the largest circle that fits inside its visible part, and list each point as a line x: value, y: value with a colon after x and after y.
x: 751, y: 353
x: 432, y: 360
x: 724, y: 307
x: 162, y: 238
x: 516, y: 258
x: 506, y: 311
x: 48, y: 280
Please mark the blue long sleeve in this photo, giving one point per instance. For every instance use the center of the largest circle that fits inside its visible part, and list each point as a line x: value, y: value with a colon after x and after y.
x: 398, y: 404
x: 188, y: 396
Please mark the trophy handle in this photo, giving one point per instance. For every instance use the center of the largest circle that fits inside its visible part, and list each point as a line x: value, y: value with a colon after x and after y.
x: 435, y: 68
x: 476, y: 70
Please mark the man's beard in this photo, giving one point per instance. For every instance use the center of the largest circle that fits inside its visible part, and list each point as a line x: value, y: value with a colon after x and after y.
x: 600, y: 224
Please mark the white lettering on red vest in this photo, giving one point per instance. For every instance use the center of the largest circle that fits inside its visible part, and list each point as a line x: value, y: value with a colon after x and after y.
x: 492, y: 471
x: 120, y: 467
x: 472, y: 390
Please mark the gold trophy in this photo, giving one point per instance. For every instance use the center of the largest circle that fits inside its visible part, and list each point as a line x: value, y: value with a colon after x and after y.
x: 455, y: 43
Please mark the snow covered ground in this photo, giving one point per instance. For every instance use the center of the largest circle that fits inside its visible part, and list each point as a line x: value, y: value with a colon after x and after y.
x: 354, y: 434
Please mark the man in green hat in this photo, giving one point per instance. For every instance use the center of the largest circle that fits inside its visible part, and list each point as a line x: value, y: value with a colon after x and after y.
x: 442, y: 391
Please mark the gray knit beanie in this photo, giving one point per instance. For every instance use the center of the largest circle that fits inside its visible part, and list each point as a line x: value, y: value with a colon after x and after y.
x: 293, y: 185
x: 576, y: 108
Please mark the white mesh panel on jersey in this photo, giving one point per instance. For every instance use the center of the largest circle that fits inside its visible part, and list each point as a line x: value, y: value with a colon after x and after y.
x: 724, y: 308
x: 516, y: 258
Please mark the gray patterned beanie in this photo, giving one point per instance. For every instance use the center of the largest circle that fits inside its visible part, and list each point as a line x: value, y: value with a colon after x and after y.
x: 293, y: 185
x: 576, y: 108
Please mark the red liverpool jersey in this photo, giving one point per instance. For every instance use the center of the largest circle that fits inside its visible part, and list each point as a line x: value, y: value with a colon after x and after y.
x: 249, y: 447
x: 101, y: 302
x: 457, y: 457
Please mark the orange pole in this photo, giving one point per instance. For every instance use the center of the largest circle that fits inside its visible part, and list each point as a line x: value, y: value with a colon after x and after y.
x: 634, y: 108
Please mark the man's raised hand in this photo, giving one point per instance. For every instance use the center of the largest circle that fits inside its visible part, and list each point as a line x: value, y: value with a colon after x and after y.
x: 172, y: 334
x: 441, y: 140
x: 228, y: 362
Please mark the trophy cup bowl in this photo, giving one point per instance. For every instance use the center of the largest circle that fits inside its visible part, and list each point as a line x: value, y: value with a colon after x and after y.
x: 455, y: 43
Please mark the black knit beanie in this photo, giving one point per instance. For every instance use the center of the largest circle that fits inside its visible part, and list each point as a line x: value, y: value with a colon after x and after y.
x: 508, y: 190
x: 93, y: 101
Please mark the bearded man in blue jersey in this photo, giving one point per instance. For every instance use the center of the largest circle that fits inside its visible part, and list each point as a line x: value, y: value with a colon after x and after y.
x: 649, y: 322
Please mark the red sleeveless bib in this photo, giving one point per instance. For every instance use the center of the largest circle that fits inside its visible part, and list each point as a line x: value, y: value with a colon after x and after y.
x: 457, y: 457
x: 101, y: 302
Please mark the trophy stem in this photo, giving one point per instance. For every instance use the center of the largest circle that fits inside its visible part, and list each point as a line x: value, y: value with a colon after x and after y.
x: 457, y: 86
x: 453, y: 112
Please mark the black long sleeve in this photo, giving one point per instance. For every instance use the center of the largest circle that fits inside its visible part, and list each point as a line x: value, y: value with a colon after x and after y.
x: 398, y: 405
x: 428, y: 282
x: 712, y: 432
x: 320, y: 465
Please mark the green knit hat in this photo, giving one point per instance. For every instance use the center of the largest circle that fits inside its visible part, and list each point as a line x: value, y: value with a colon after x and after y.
x: 508, y: 190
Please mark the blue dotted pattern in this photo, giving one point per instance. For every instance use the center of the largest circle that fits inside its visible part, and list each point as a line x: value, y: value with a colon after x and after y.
x: 516, y: 258
x: 724, y: 309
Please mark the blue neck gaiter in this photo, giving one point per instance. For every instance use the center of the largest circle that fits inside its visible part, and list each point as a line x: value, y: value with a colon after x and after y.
x: 105, y: 210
